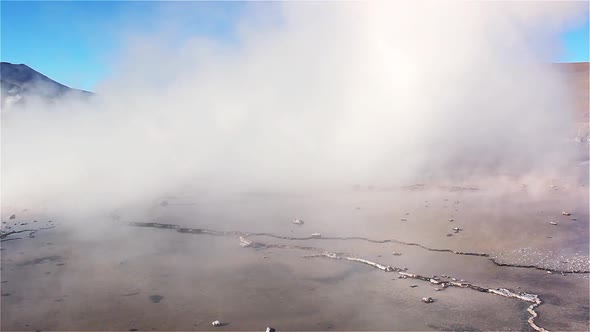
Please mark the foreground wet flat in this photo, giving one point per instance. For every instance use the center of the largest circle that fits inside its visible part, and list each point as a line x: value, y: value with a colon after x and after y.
x: 102, y: 274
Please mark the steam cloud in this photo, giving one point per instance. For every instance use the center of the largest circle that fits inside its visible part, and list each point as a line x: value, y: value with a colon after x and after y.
x: 321, y: 95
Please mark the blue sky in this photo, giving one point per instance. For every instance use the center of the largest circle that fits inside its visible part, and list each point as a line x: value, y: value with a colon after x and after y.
x: 74, y: 42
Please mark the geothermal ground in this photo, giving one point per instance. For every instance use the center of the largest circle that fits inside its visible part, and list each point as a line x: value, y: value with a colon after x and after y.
x: 193, y: 259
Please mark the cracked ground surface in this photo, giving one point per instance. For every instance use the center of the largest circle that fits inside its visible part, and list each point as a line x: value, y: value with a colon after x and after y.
x: 107, y: 276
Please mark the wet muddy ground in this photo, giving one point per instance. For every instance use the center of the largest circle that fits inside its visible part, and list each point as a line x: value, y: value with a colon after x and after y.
x: 105, y: 274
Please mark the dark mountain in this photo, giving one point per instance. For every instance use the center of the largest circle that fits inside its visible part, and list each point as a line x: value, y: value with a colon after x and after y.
x: 20, y: 82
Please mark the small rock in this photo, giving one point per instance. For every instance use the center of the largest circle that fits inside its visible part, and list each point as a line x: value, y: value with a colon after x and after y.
x: 553, y: 223
x: 437, y: 289
x: 574, y: 219
x: 298, y: 222
x: 451, y: 219
x: 316, y: 235
x: 12, y: 216
x: 396, y: 254
x: 449, y: 234
x: 270, y: 329
x: 549, y: 272
x: 413, y: 286
x: 245, y: 242
x: 403, y: 219
x: 156, y: 298
x: 566, y: 213
x: 427, y: 299
x: 216, y: 323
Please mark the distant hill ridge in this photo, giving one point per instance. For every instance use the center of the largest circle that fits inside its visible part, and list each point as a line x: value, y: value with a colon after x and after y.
x: 19, y: 82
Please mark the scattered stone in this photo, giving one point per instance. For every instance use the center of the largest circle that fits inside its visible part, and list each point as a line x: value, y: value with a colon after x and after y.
x: 457, y: 229
x: 549, y: 272
x: 156, y: 298
x: 316, y: 235
x: 451, y: 219
x: 574, y: 219
x: 402, y: 277
x: 396, y: 254
x: 553, y: 223
x: 449, y: 234
x: 298, y: 222
x: 12, y: 216
x: 427, y: 299
x: 270, y: 329
x: 23, y: 223
x: 216, y: 323
x: 549, y: 237
x: 413, y: 286
x: 437, y: 289
x: 566, y: 213
x: 245, y: 242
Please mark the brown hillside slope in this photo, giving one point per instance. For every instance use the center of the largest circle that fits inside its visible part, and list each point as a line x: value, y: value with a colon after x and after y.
x: 579, y: 79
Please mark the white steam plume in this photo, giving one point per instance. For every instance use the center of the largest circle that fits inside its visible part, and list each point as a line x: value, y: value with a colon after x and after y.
x: 328, y: 94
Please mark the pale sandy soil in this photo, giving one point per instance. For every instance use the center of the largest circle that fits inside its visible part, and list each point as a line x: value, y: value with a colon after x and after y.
x: 105, y: 276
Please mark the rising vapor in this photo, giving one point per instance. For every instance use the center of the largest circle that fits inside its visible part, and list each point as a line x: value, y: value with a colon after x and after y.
x: 323, y: 95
